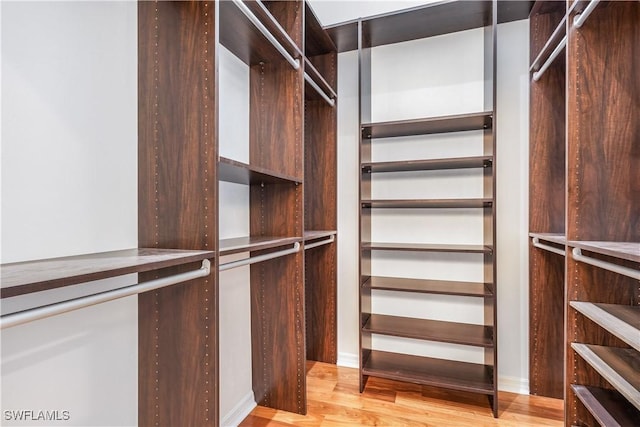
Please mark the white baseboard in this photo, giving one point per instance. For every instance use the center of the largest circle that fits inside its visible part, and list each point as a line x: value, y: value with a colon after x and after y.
x: 348, y: 360
x: 513, y: 384
x: 240, y: 411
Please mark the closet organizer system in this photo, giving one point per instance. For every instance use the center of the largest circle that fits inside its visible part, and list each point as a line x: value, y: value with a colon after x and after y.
x: 584, y: 209
x: 365, y: 35
x: 292, y: 177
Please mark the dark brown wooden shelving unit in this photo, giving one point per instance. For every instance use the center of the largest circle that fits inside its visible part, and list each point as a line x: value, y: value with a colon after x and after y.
x: 426, y: 126
x: 608, y: 407
x: 431, y: 330
x: 241, y: 173
x: 413, y: 24
x: 245, y: 244
x: 448, y: 374
x: 442, y: 287
x: 428, y: 164
x: 583, y: 201
x: 428, y: 203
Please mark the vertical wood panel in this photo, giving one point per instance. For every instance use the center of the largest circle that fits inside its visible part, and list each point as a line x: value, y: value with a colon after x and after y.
x: 178, y: 350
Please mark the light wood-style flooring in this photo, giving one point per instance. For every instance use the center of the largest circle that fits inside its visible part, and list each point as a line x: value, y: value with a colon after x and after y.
x: 333, y: 399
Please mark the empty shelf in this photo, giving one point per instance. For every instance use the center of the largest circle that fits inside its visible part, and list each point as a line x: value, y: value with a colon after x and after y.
x: 34, y: 276
x: 619, y: 366
x: 449, y: 374
x: 316, y: 40
x: 428, y: 203
x: 457, y: 123
x: 242, y: 173
x: 622, y: 321
x: 430, y: 164
x: 245, y: 244
x: 442, y: 287
x: 431, y: 330
x: 624, y: 250
x: 426, y: 247
x: 608, y: 407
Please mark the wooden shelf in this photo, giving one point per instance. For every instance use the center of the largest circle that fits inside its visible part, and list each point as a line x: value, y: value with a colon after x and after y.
x: 246, y: 244
x: 629, y: 251
x: 430, y: 164
x: 608, y: 407
x: 317, y: 234
x: 245, y: 41
x: 242, y: 173
x: 41, y: 275
x: 316, y: 40
x: 622, y: 321
x: 444, y: 124
x: 431, y: 330
x: 619, y: 366
x: 426, y: 247
x: 441, y: 287
x: 428, y: 204
x: 448, y: 374
x: 425, y: 21
x: 309, y: 92
x: 558, y: 238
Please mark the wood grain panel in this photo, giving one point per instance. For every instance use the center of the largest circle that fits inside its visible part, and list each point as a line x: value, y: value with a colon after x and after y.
x: 177, y: 201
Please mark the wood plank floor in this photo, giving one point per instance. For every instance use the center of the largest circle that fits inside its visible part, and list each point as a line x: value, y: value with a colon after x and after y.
x: 333, y: 400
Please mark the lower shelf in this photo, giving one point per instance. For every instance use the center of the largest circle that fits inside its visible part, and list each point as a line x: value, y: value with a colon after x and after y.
x: 608, y: 407
x: 453, y: 375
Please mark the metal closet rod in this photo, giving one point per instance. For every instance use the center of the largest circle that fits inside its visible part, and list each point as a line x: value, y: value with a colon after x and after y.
x: 260, y: 258
x: 550, y: 59
x: 331, y: 239
x: 536, y: 242
x: 50, y: 310
x: 295, y: 63
x: 580, y: 19
x: 317, y: 88
x: 626, y: 271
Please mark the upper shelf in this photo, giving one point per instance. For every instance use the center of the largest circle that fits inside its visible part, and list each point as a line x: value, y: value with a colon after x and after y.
x: 430, y: 164
x: 242, y: 173
x: 629, y: 251
x: 443, y: 124
x: 558, y: 238
x: 317, y: 234
x: 316, y: 40
x: 426, y: 247
x: 246, y: 41
x: 425, y: 21
x: 34, y: 276
x: 250, y: 243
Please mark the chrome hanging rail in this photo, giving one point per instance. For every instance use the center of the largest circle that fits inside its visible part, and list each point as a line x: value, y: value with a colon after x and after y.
x: 550, y: 59
x: 314, y: 85
x: 260, y: 258
x: 331, y: 239
x: 295, y: 63
x: 580, y: 19
x: 626, y: 271
x: 536, y: 242
x: 38, y: 313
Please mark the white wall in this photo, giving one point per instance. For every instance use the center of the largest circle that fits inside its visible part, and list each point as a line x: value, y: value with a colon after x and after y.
x: 69, y: 186
x: 409, y: 97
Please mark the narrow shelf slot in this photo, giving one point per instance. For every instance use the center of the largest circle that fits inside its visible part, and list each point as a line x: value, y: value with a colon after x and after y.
x: 41, y: 275
x: 430, y: 164
x: 242, y: 173
x: 619, y: 366
x: 431, y: 330
x: 629, y: 251
x: 444, y: 124
x: 622, y: 321
x: 426, y: 247
x: 428, y: 204
x: 608, y: 407
x: 443, y: 373
x: 442, y: 287
x: 250, y: 243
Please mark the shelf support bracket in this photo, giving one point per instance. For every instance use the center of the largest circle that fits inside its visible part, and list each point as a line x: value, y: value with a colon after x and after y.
x: 30, y: 315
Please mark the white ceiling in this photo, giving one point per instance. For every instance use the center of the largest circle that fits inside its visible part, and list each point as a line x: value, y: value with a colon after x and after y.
x: 333, y: 11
